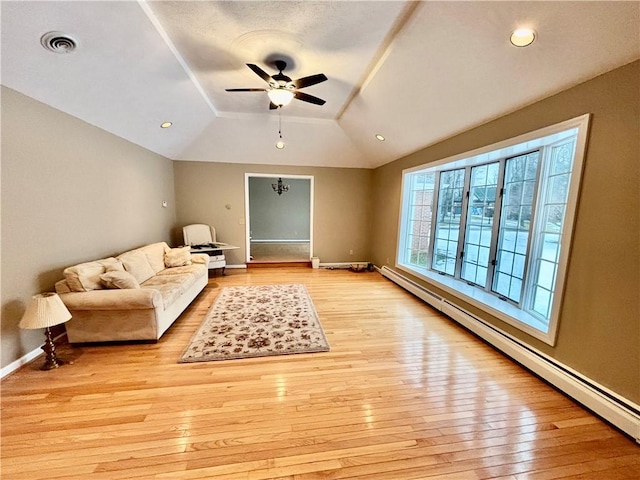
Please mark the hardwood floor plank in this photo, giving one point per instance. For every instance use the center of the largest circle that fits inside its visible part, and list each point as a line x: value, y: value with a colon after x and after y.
x: 404, y: 393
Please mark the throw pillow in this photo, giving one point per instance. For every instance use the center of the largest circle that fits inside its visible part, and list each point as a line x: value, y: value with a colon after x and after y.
x: 119, y: 279
x: 177, y: 257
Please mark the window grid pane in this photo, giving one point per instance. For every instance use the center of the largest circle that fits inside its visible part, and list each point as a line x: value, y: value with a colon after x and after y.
x: 421, y: 213
x: 515, y: 224
x: 549, y: 235
x: 445, y: 249
x: 479, y: 225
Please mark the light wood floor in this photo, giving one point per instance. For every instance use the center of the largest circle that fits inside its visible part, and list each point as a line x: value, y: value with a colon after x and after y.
x: 403, y: 394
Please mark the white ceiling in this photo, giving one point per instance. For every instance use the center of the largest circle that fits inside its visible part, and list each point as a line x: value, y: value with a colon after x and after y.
x: 416, y: 72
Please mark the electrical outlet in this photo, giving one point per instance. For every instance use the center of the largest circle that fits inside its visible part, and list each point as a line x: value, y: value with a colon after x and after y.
x: 387, y: 260
x: 350, y: 252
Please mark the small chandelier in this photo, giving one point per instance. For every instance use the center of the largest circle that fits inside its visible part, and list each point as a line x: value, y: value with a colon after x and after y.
x: 280, y: 187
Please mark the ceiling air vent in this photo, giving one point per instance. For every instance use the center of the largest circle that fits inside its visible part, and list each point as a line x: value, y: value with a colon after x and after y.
x: 59, y: 42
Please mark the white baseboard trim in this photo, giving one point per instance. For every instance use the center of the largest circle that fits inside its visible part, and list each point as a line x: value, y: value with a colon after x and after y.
x: 15, y: 365
x: 242, y: 265
x: 611, y: 406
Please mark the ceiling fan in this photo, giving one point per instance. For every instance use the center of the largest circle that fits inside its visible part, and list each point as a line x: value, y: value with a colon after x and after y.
x: 281, y: 88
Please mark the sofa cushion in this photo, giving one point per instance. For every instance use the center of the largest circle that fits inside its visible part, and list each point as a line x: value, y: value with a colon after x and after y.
x: 170, y: 286
x: 177, y: 257
x: 194, y: 269
x: 112, y: 265
x: 119, y: 279
x: 137, y: 264
x: 85, y: 277
x: 155, y: 255
x: 184, y: 280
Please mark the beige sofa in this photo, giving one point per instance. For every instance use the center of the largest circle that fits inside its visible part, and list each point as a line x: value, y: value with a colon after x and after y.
x: 135, y: 296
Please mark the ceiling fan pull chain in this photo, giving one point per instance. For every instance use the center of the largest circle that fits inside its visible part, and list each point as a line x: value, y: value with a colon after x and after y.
x: 280, y: 142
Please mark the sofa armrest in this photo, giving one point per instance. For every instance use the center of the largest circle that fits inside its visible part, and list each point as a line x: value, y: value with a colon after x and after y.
x: 200, y: 258
x: 113, y: 299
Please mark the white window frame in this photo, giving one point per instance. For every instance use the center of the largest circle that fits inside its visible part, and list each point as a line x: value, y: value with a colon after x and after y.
x: 478, y: 297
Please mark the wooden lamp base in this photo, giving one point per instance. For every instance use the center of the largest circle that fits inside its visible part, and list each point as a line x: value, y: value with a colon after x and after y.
x: 51, y: 360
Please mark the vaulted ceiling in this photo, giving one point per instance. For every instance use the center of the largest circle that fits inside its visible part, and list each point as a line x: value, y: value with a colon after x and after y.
x: 415, y: 72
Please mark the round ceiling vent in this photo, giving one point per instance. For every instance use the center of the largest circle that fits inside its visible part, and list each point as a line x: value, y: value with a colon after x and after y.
x: 59, y: 42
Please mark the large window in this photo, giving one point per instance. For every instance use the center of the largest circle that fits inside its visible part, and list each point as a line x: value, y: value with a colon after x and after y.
x: 493, y: 226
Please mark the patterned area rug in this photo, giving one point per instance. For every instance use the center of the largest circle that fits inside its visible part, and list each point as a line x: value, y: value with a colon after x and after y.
x: 257, y: 321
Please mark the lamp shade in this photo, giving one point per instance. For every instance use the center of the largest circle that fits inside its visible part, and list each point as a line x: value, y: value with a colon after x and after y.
x: 280, y: 96
x: 45, y: 310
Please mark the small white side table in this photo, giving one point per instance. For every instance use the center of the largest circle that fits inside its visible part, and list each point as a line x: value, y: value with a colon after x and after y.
x: 216, y: 253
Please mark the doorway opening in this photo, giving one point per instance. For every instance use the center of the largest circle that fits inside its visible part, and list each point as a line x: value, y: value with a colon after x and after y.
x: 279, y: 226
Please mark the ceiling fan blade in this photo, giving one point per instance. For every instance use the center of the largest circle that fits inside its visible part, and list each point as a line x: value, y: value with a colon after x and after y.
x: 308, y: 98
x: 261, y: 73
x: 310, y: 80
x: 273, y: 106
x: 245, y: 90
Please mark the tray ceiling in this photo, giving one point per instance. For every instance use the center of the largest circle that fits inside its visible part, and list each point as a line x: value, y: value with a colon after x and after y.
x: 415, y: 72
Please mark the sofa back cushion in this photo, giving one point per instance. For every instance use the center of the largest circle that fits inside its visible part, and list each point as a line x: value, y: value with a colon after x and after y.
x: 137, y: 264
x: 155, y: 255
x: 62, y: 287
x: 86, y: 276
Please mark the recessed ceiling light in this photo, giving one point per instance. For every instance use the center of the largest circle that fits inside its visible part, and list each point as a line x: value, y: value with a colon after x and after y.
x: 166, y: 125
x: 522, y: 37
x: 380, y: 137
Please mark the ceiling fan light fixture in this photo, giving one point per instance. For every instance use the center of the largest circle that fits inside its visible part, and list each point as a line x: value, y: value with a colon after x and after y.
x: 280, y: 144
x: 282, y: 89
x: 280, y: 96
x: 522, y: 37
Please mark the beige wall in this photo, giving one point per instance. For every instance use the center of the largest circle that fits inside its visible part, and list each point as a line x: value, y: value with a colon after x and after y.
x: 599, y: 330
x: 341, y: 216
x: 70, y: 192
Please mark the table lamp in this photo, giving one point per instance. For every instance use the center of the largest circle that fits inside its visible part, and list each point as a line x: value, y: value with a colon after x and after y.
x: 46, y: 310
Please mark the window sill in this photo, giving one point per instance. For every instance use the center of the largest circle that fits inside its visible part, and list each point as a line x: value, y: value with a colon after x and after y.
x: 488, y: 303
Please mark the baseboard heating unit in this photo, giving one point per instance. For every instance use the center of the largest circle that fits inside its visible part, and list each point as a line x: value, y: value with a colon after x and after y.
x: 614, y: 408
